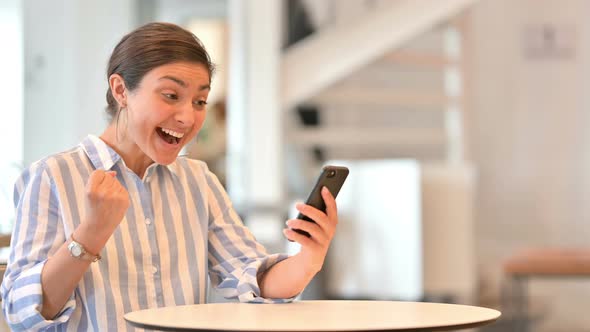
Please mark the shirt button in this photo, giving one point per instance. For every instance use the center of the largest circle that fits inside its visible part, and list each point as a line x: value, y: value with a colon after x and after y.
x: 148, y: 221
x: 154, y: 270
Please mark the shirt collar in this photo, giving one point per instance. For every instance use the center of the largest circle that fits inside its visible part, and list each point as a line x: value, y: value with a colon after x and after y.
x: 102, y: 156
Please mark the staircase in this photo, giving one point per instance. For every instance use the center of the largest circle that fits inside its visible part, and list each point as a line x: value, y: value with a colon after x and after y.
x: 396, y: 94
x: 387, y: 81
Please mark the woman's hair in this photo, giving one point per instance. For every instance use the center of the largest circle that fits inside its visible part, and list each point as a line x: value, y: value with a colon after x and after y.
x: 151, y: 46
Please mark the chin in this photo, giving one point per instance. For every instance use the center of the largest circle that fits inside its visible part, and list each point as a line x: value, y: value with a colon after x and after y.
x: 164, y: 159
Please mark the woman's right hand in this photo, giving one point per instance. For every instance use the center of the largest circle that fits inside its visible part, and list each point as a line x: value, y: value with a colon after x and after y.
x: 106, y: 203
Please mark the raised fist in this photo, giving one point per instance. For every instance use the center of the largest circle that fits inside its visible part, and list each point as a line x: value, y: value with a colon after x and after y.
x: 106, y: 203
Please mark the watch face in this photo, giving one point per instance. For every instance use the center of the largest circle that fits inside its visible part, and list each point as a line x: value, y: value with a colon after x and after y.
x: 75, y: 250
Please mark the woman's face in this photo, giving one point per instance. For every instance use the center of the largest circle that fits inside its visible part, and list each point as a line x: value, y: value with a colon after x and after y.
x: 167, y: 109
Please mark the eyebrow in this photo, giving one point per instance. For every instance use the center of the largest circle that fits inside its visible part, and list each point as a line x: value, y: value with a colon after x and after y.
x: 183, y: 83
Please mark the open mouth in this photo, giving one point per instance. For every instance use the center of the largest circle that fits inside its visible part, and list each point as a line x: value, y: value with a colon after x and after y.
x: 169, y: 136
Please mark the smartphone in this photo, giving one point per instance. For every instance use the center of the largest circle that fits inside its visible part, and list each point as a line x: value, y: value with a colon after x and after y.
x: 331, y: 177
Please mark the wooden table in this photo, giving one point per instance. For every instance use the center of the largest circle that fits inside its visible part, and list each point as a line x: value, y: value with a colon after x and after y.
x: 314, y: 316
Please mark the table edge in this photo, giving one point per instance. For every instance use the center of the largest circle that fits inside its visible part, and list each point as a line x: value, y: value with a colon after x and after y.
x: 421, y: 329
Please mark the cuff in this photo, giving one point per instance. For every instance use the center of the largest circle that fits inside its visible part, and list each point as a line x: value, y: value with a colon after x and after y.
x: 243, y: 284
x: 25, y: 302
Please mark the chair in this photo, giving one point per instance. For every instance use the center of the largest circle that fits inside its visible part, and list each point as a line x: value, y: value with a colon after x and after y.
x: 4, y: 242
x: 539, y: 263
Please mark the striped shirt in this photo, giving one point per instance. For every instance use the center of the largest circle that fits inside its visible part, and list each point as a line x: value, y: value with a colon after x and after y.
x: 179, y: 229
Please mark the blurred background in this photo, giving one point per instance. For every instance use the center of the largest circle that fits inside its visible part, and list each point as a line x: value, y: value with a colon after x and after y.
x: 464, y: 123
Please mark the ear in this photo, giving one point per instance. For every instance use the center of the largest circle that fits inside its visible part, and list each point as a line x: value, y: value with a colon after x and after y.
x: 118, y: 89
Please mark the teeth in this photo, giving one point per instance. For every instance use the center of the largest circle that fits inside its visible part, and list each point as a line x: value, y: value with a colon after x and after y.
x: 172, y: 133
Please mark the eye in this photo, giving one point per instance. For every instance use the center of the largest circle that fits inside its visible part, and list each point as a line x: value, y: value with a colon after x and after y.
x: 171, y: 96
x: 200, y: 104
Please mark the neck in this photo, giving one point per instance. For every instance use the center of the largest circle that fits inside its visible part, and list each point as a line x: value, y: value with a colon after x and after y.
x: 132, y: 155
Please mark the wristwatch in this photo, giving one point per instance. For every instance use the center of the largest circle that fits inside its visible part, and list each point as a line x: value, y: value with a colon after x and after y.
x: 78, y: 251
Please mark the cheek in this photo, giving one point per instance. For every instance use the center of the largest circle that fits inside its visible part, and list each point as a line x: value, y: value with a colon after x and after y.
x: 199, y: 120
x: 153, y: 115
x: 143, y: 124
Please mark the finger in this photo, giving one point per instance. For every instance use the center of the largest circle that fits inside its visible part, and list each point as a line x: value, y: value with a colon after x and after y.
x: 95, y: 179
x: 313, y: 229
x: 303, y: 240
x: 330, y: 201
x: 314, y: 214
x: 120, y: 189
x: 112, y: 181
x: 101, y: 176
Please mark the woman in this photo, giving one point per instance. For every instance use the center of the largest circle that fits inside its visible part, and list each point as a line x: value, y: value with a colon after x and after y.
x: 120, y: 223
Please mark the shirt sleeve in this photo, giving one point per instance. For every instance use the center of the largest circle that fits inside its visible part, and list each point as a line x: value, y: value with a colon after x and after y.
x: 38, y: 233
x: 236, y: 259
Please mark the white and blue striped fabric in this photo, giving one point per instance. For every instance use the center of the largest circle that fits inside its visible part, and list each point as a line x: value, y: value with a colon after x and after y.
x: 179, y: 228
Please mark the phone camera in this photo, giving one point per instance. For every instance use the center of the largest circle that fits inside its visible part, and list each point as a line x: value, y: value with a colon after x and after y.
x: 331, y: 174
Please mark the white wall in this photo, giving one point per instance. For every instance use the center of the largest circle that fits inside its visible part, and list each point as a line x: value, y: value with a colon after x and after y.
x: 11, y: 94
x: 67, y: 45
x: 530, y: 141
x: 12, y: 86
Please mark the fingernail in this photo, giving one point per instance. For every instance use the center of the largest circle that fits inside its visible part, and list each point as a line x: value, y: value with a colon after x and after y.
x: 299, y: 206
x: 325, y: 190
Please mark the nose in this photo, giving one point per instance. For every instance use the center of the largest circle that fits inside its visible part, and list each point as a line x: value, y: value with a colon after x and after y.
x: 185, y: 114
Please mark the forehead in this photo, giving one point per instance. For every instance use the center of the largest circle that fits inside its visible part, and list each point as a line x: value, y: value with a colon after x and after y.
x: 189, y: 73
